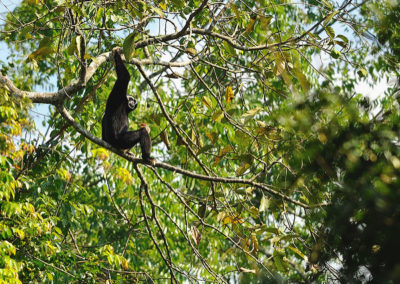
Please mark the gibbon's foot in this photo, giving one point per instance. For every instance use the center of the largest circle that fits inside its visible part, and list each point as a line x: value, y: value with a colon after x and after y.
x: 145, y: 126
x: 150, y: 161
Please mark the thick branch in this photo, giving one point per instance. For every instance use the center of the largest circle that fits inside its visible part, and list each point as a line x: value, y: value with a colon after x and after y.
x: 55, y: 98
x: 131, y: 158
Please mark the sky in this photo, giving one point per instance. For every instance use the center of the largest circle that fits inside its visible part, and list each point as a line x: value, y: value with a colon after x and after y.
x: 40, y: 111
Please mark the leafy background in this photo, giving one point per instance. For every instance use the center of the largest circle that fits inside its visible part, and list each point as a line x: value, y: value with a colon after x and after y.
x: 272, y: 166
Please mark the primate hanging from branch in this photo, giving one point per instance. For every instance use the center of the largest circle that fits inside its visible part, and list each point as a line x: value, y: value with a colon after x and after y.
x: 115, y: 123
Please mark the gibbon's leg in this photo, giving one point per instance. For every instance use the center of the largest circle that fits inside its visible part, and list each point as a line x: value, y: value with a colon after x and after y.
x: 130, y: 138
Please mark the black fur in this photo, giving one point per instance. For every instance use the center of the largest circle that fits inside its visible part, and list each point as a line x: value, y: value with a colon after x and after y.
x: 115, y: 124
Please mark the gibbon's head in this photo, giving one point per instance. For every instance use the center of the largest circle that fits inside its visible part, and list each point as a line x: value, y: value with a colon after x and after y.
x: 132, y: 103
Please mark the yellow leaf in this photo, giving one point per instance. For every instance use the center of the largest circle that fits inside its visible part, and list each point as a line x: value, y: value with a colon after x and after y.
x: 124, y: 175
x: 41, y: 52
x: 222, y: 153
x: 229, y: 94
x: 254, y: 241
x: 217, y: 160
x: 191, y: 51
x: 236, y: 11
x: 100, y: 153
x: 159, y: 12
x: 212, y: 136
x: 196, y: 236
x: 250, y: 25
x: 299, y: 253
x: 207, y: 101
x: 233, y: 219
x: 280, y: 65
x: 225, y: 150
x: 254, y: 212
x: 249, y: 190
x: 164, y: 138
x: 221, y: 216
x: 264, y: 204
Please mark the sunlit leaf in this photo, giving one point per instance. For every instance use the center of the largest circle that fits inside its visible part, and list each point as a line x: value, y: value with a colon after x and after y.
x: 191, y: 51
x: 264, y: 204
x: 159, y: 12
x: 362, y: 72
x: 299, y: 253
x: 128, y: 46
x: 164, y: 138
x: 251, y: 113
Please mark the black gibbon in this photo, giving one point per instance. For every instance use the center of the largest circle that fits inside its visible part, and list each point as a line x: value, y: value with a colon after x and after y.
x: 115, y: 123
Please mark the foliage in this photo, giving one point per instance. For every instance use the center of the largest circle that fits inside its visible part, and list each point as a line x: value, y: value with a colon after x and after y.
x: 271, y: 167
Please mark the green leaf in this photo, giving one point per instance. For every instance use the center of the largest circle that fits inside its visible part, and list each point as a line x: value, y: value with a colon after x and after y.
x: 218, y: 115
x: 327, y: 3
x: 329, y: 18
x: 243, y: 168
x: 72, y: 46
x: 178, y: 3
x: 41, y: 52
x: 280, y: 264
x: 265, y: 21
x: 229, y: 48
x: 305, y: 85
x: 128, y: 46
x: 343, y: 38
x: 335, y: 54
x: 330, y: 32
x: 99, y: 14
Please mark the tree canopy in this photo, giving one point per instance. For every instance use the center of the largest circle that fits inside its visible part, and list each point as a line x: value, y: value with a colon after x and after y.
x: 272, y: 165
